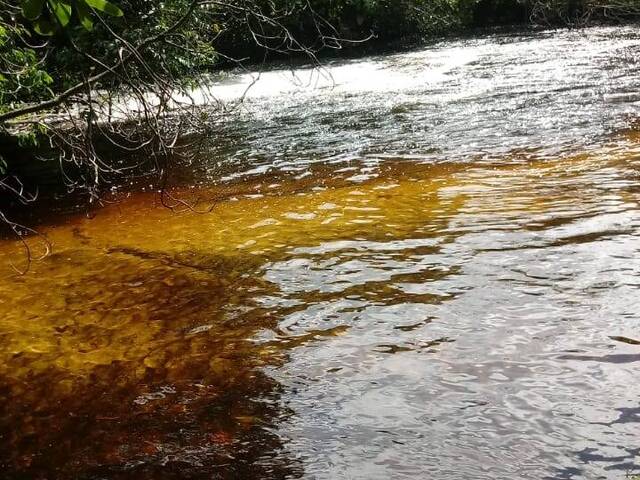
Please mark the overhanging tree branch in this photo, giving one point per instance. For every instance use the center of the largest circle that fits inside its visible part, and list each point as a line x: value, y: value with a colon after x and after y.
x: 133, y: 53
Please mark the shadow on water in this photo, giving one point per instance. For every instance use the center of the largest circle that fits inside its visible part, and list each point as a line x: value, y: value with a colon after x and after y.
x: 144, y: 370
x: 127, y: 355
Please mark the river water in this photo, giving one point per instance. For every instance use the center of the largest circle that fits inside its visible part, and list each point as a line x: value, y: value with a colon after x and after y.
x: 418, y: 265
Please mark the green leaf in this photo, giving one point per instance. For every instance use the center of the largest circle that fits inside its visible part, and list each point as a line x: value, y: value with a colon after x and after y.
x: 62, y: 11
x: 44, y: 27
x: 84, y: 14
x: 31, y: 9
x: 105, y: 6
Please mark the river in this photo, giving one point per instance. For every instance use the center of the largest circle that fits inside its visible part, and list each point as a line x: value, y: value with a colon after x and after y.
x: 415, y: 265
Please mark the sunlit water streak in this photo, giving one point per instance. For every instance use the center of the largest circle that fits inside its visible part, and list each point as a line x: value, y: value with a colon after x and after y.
x: 542, y: 94
x: 414, y: 273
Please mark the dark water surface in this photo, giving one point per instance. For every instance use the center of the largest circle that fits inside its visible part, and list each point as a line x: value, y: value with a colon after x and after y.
x: 414, y: 268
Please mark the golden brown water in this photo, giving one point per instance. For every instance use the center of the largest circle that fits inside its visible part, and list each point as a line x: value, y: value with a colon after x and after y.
x: 425, y: 320
x: 131, y: 350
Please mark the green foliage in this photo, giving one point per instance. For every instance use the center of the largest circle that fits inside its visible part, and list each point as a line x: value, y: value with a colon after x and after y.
x: 401, y: 18
x: 580, y: 12
x: 187, y: 52
x: 27, y: 139
x: 47, y: 16
x: 83, y: 35
x: 386, y: 20
x: 22, y: 76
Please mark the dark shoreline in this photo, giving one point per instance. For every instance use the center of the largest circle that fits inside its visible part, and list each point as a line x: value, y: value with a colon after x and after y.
x: 378, y: 46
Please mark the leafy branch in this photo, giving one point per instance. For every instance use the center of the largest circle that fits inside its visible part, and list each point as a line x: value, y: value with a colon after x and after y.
x: 49, y: 15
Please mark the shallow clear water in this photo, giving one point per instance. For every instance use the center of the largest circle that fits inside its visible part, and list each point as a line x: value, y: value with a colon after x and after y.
x: 413, y: 268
